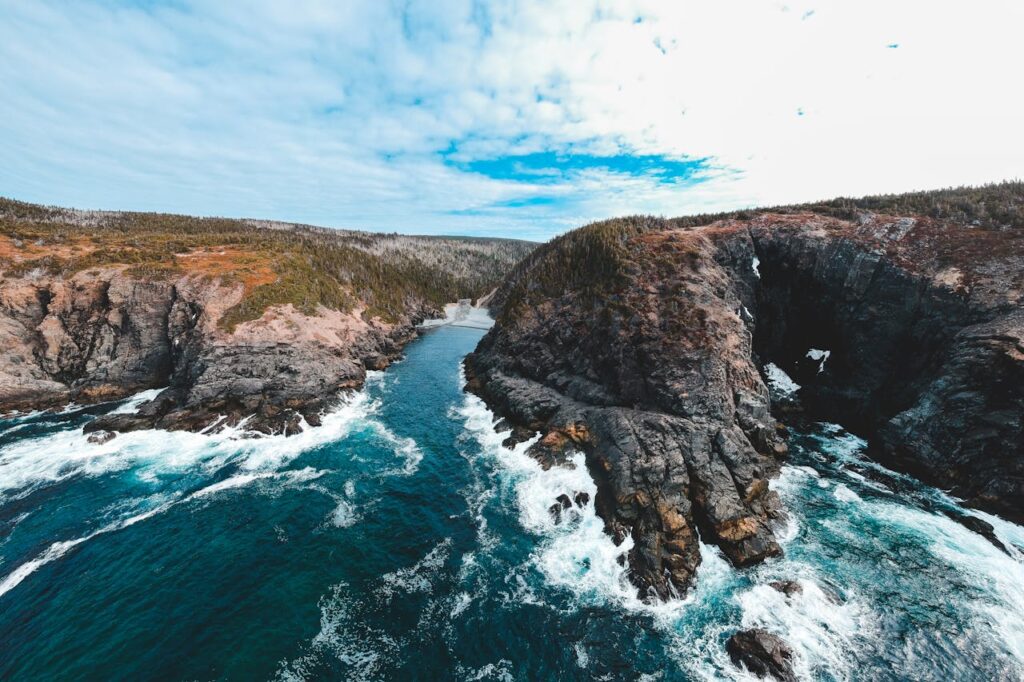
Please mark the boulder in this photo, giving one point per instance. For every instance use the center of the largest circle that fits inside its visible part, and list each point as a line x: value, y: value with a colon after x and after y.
x: 762, y: 653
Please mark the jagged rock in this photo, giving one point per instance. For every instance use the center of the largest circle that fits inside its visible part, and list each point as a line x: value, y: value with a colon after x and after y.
x: 926, y: 341
x: 375, y: 361
x: 762, y: 653
x: 104, y: 334
x: 562, y: 502
x: 110, y: 303
x: 660, y: 394
x: 581, y: 499
x: 101, y: 437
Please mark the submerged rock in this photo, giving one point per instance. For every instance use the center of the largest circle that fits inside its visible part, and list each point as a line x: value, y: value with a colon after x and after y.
x: 787, y: 587
x: 762, y: 653
x: 979, y: 526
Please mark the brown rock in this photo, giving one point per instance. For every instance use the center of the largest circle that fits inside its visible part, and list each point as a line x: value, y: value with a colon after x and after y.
x: 762, y: 653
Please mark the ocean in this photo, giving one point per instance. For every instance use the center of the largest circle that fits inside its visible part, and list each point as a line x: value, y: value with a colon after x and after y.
x: 400, y: 540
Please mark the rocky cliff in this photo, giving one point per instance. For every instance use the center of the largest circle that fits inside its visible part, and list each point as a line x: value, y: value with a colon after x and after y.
x: 644, y: 342
x: 237, y: 321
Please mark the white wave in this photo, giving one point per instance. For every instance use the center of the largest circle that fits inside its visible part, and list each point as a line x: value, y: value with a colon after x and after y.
x: 576, y: 553
x: 791, y: 478
x: 406, y: 448
x: 342, y: 636
x: 416, y: 578
x: 844, y: 494
x: 999, y: 610
x: 582, y: 658
x: 344, y: 514
x: 15, y: 427
x: 1010, y: 534
x: 132, y: 404
x: 58, y: 549
x: 501, y: 671
x: 788, y: 529
x: 822, y: 633
x: 779, y: 381
x: 27, y: 464
x: 461, y: 603
x: 228, y: 483
x: 242, y: 480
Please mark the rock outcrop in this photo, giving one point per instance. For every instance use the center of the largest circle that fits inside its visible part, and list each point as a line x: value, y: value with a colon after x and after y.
x: 104, y: 334
x: 762, y: 653
x: 650, y: 373
x: 642, y: 342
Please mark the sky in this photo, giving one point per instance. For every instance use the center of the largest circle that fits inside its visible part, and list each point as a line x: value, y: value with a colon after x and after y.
x: 507, y: 118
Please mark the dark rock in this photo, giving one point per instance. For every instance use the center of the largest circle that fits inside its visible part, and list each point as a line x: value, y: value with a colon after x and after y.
x: 762, y: 653
x: 375, y: 361
x: 564, y: 501
x: 787, y: 587
x: 662, y: 397
x: 926, y: 335
x: 581, y: 499
x: 520, y: 434
x: 979, y: 526
x: 101, y: 437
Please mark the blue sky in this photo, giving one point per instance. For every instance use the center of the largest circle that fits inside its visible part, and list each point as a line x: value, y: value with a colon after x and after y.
x: 522, y: 118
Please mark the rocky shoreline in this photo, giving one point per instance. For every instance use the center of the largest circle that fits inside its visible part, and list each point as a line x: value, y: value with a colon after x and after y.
x: 906, y: 329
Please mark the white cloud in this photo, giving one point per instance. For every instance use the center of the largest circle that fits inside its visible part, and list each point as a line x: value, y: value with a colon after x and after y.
x: 338, y: 113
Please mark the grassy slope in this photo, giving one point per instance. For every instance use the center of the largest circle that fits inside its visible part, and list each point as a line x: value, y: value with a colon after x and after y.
x: 277, y: 263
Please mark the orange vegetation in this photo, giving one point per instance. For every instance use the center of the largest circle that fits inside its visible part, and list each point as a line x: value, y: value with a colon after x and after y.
x: 251, y: 268
x: 17, y: 251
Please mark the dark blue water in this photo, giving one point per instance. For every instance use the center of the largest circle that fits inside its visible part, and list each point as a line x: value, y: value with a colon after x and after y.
x: 401, y: 541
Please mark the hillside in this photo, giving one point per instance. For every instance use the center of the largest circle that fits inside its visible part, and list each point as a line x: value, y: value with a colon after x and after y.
x: 277, y: 263
x: 240, y: 318
x: 645, y: 343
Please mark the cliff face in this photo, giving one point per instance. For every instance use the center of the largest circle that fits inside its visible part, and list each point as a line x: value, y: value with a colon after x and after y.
x: 650, y: 373
x: 104, y: 334
x: 924, y: 322
x: 652, y: 365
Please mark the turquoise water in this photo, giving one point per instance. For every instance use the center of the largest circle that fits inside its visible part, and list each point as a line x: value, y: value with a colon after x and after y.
x: 400, y: 541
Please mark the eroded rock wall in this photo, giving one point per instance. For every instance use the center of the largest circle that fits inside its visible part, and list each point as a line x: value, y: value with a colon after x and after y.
x: 104, y: 334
